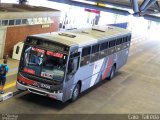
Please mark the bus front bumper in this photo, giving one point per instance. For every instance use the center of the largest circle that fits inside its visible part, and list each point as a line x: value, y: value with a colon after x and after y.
x: 56, y: 94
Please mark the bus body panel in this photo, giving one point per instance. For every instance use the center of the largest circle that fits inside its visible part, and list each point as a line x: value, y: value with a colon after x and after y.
x: 94, y: 72
x: 121, y: 57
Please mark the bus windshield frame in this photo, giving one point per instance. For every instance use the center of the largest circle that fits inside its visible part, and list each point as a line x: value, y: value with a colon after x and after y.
x: 44, y: 62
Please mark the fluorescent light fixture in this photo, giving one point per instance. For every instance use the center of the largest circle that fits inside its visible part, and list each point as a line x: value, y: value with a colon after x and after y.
x: 83, y: 1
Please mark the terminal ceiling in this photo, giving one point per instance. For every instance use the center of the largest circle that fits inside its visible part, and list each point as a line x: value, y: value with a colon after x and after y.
x: 149, y: 9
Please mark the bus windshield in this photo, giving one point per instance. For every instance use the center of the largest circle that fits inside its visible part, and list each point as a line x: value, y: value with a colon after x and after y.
x: 44, y: 63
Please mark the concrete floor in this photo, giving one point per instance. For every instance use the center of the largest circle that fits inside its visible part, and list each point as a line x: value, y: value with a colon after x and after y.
x: 135, y: 89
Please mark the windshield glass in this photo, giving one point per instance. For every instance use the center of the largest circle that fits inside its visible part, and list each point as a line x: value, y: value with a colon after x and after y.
x: 44, y: 63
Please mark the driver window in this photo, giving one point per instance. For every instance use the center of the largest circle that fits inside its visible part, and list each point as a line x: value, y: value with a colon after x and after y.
x: 73, y: 64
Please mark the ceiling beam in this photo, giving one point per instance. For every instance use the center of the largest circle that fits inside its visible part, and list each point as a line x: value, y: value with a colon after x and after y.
x: 143, y: 5
x: 111, y: 2
x: 148, y: 5
x: 85, y: 5
x: 135, y: 6
x: 22, y: 2
x: 152, y: 18
x: 145, y: 13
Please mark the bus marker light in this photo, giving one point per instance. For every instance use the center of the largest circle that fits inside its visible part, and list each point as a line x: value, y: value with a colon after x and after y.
x: 22, y: 79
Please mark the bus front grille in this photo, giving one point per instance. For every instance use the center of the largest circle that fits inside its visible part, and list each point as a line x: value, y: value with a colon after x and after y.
x: 37, y: 92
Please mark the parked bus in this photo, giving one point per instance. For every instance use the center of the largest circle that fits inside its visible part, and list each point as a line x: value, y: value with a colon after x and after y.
x: 61, y: 65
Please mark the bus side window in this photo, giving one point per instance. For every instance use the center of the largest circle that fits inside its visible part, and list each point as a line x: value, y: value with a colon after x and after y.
x: 103, y: 50
x: 124, y: 45
x: 85, y: 59
x: 73, y: 65
x: 111, y: 46
x: 128, y: 40
x: 95, y: 53
x: 118, y: 44
x: 111, y: 43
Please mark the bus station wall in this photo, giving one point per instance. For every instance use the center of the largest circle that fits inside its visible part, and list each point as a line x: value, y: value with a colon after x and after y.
x: 17, y: 34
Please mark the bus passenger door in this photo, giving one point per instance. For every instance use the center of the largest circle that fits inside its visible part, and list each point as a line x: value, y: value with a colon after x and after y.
x: 70, y: 78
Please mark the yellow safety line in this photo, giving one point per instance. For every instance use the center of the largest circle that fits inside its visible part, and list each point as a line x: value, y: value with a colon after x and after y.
x: 9, y: 85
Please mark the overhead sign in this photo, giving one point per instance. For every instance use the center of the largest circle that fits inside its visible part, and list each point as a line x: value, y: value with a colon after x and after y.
x: 55, y: 54
x: 46, y: 26
x: 92, y: 10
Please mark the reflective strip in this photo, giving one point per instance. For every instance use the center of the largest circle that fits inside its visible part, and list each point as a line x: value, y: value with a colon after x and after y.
x: 96, y: 69
x: 107, y: 69
x: 25, y: 80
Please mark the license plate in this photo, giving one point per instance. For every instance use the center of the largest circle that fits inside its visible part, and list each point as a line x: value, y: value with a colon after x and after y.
x: 41, y: 85
x: 45, y: 86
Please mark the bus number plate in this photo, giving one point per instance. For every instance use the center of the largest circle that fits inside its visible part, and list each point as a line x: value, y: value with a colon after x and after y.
x: 41, y: 85
x: 45, y: 86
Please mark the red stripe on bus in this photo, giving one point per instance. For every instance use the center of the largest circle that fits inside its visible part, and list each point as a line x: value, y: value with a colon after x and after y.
x: 25, y: 80
x: 107, y: 69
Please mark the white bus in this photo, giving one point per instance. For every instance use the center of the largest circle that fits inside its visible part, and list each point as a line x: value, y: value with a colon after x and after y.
x: 61, y: 65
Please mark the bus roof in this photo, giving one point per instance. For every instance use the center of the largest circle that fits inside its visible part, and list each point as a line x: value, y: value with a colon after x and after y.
x: 86, y: 36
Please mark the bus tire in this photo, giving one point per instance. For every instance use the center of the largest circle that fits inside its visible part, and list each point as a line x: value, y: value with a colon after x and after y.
x: 75, y: 93
x: 112, y: 73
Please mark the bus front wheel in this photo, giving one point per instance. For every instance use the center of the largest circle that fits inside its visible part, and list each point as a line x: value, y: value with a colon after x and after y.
x: 112, y: 73
x: 75, y: 93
